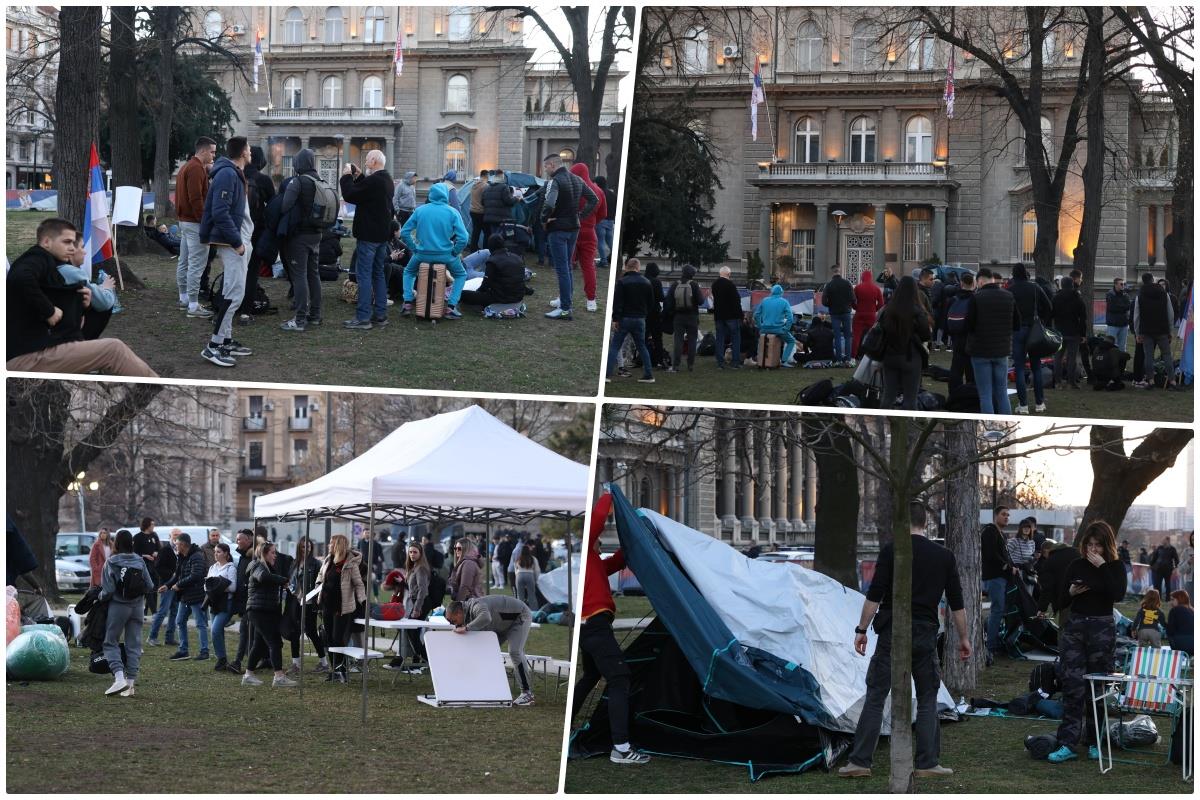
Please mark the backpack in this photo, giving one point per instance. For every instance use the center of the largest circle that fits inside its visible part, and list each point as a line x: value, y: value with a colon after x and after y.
x: 708, y: 345
x: 437, y: 593
x: 684, y: 301
x: 325, y: 205
x: 1044, y: 678
x: 130, y: 583
x: 505, y: 311
x: 819, y: 394
x: 874, y: 343
x: 956, y: 316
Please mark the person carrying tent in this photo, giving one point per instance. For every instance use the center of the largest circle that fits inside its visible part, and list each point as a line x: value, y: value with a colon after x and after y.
x: 599, y: 654
x: 934, y: 573
x: 510, y: 620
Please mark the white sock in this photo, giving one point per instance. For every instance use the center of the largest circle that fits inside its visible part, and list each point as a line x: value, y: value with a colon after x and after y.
x: 621, y: 748
x: 296, y: 663
x: 183, y: 298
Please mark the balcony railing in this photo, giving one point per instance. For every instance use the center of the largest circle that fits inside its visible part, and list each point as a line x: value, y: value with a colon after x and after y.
x: 328, y: 114
x: 299, y: 423
x: 882, y: 171
x: 254, y: 423
x: 254, y: 472
x: 565, y: 119
x: 1154, y: 176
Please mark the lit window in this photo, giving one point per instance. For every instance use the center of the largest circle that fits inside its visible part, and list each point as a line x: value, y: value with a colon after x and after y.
x: 567, y: 155
x: 456, y: 156
x: 862, y: 140
x: 808, y: 141
x: 917, y: 225
x: 372, y: 92
x: 695, y: 51
x: 293, y: 93
x: 809, y: 48
x: 920, y: 48
x: 214, y: 26
x: 918, y: 141
x: 458, y: 93
x: 334, y: 25
x: 804, y: 250
x: 460, y: 24
x: 331, y: 92
x: 862, y: 47
x: 374, y: 25
x: 293, y: 26
x: 1028, y: 234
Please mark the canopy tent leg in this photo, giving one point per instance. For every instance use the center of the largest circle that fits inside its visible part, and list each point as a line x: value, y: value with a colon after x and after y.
x: 570, y: 593
x: 487, y: 552
x: 304, y: 594
x: 367, y: 613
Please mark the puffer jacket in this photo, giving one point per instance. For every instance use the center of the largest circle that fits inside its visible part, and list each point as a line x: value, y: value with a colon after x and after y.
x: 562, y: 209
x: 498, y: 202
x: 264, y: 588
x: 354, y: 591
x: 188, y: 579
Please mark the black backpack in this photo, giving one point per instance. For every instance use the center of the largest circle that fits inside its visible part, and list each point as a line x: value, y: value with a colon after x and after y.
x: 437, y: 593
x: 261, y: 304
x: 130, y: 583
x: 819, y: 394
x: 1044, y: 678
x: 708, y: 345
x: 1041, y: 746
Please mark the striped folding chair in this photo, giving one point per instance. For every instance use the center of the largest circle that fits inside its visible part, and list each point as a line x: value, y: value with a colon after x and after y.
x: 1156, y: 697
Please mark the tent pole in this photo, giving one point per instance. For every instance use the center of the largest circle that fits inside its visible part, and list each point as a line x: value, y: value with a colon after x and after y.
x: 570, y: 593
x: 487, y: 552
x: 367, y: 612
x: 304, y: 594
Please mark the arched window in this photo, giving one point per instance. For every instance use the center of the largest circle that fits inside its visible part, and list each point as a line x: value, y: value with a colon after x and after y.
x: 458, y: 93
x: 920, y: 47
x: 372, y: 92
x: 456, y: 156
x: 862, y: 140
x: 214, y: 26
x: 334, y: 25
x: 917, y: 224
x: 808, y: 141
x: 293, y: 26
x: 862, y: 47
x: 331, y: 92
x: 694, y: 58
x: 293, y: 93
x: 918, y: 141
x: 810, y: 48
x: 1047, y: 138
x: 460, y: 23
x: 567, y: 155
x: 374, y: 25
x: 1028, y: 234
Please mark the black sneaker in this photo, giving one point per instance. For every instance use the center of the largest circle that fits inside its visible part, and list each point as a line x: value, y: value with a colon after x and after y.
x: 180, y: 655
x: 202, y: 657
x: 221, y: 665
x: 237, y: 349
x: 380, y: 322
x: 218, y: 356
x: 357, y: 325
x: 234, y: 668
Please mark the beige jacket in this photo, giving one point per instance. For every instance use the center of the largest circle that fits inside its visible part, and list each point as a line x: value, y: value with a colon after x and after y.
x: 353, y: 589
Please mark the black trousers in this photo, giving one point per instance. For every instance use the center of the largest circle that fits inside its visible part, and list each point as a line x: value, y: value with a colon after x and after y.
x: 245, y: 636
x: 267, y: 640
x: 310, y: 630
x: 337, y: 634
x: 478, y: 233
x: 1162, y: 582
x: 601, y: 657
x: 1086, y: 645
x: 961, y: 370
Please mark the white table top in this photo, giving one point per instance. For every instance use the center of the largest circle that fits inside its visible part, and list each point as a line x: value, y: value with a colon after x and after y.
x: 400, y: 624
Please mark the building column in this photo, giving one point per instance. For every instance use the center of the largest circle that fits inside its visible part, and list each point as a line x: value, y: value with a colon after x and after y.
x: 781, y: 475
x: 748, y: 483
x: 810, y: 489
x: 796, y: 478
x: 764, y: 442
x: 764, y: 237
x: 1143, y: 256
x: 729, y: 487
x: 822, y: 239
x: 1160, y: 223
x: 677, y: 498
x: 939, y: 230
x: 880, y: 237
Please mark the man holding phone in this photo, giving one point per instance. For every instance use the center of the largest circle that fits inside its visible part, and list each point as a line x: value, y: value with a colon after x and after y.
x: 371, y: 193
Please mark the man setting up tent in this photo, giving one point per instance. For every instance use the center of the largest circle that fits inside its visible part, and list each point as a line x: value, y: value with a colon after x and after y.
x: 508, y: 618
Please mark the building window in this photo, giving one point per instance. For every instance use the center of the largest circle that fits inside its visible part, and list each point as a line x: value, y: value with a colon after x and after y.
x: 456, y: 156
x: 293, y: 93
x: 917, y: 225
x: 862, y: 47
x: 299, y: 451
x: 808, y: 141
x: 567, y: 155
x: 460, y: 24
x: 458, y: 93
x: 1050, y: 51
x: 214, y: 26
x: 372, y: 92
x: 694, y: 58
x: 293, y: 26
x: 334, y: 25
x: 918, y: 141
x: 256, y: 456
x: 374, y: 25
x: 255, y: 406
x: 1047, y: 129
x: 809, y: 48
x: 804, y: 250
x: 300, y: 406
x: 920, y: 48
x: 862, y: 140
x: 331, y: 92
x: 1028, y: 234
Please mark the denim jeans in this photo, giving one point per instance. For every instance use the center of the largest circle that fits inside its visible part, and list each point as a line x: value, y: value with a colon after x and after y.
x: 562, y: 247
x: 181, y: 619
x: 841, y: 336
x: 991, y: 378
x: 218, y: 633
x: 604, y: 235
x: 1020, y: 355
x: 996, y: 588
x: 635, y: 327
x: 729, y: 334
x: 369, y: 259
x: 454, y: 266
x: 166, y: 611
x: 1120, y: 334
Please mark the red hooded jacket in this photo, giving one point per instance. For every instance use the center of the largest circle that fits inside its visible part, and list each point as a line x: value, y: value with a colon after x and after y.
x: 597, y: 596
x: 868, y: 299
x: 601, y: 212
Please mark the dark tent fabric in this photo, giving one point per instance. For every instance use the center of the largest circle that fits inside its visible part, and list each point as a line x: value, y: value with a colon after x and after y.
x: 1021, y: 630
x: 523, y: 212
x: 732, y: 703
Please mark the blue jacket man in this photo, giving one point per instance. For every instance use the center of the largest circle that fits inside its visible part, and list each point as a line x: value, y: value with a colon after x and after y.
x: 774, y: 316
x: 435, y: 233
x: 224, y: 206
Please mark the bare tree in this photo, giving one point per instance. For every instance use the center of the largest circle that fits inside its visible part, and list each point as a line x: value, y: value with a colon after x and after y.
x: 961, y: 442
x: 837, y: 508
x: 123, y: 121
x: 1118, y: 479
x: 76, y: 112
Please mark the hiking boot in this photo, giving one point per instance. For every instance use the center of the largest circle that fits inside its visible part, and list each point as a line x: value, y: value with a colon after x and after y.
x: 236, y: 349
x: 357, y: 325
x: 1040, y: 408
x: 592, y: 305
x: 249, y: 679
x: 180, y: 655
x: 283, y: 681
x: 630, y: 756
x: 291, y: 325
x: 936, y: 771
x: 218, y: 356
x: 199, y: 312
x: 852, y: 770
x: 119, y: 685
x: 1061, y: 755
x: 525, y: 699
x: 558, y: 313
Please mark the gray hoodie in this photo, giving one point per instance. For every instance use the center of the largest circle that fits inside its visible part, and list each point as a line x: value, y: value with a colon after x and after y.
x: 405, y: 198
x: 108, y: 576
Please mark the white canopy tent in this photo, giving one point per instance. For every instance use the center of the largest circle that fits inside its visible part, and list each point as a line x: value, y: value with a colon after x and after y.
x: 462, y: 466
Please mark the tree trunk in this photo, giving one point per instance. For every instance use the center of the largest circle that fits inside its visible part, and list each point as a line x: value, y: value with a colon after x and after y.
x: 166, y: 22
x: 124, y: 134
x: 76, y: 110
x: 836, y: 532
x: 900, y: 775
x: 962, y: 537
x: 1093, y: 169
x: 612, y: 164
x: 1117, y: 479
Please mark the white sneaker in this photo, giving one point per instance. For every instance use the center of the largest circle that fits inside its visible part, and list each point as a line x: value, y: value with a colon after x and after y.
x: 282, y: 681
x: 557, y: 313
x: 591, y: 305
x: 555, y: 303
x: 525, y: 699
x: 249, y: 679
x: 1040, y: 408
x: 630, y: 756
x: 128, y: 690
x: 1021, y: 410
x: 119, y: 685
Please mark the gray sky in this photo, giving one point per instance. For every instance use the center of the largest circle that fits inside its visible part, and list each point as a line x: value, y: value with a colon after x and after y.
x: 535, y: 38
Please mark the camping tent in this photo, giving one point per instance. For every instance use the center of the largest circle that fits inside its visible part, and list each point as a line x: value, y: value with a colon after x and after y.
x: 773, y: 683
x: 462, y: 466
x: 522, y: 212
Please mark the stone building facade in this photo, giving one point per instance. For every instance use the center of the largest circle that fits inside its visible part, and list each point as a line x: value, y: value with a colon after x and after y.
x: 281, y: 437
x: 856, y: 161
x: 29, y: 132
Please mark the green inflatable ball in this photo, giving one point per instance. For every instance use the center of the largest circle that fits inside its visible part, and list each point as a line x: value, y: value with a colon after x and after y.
x: 38, y: 655
x: 44, y: 627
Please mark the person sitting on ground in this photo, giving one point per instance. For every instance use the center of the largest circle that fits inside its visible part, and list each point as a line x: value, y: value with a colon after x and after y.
x: 1181, y: 622
x: 263, y: 608
x: 510, y: 620
x: 906, y: 329
x: 1148, y: 621
x: 435, y: 234
x: 503, y: 277
x: 160, y: 233
x: 104, y: 295
x: 126, y: 609
x: 774, y: 316
x: 47, y: 317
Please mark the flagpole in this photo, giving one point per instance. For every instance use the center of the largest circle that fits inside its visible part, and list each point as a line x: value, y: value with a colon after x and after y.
x: 770, y: 124
x: 117, y: 258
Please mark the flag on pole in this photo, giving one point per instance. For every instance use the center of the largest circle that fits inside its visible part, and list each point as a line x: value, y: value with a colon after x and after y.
x: 97, y: 236
x: 948, y: 94
x: 258, y: 57
x: 756, y: 97
x: 399, y: 58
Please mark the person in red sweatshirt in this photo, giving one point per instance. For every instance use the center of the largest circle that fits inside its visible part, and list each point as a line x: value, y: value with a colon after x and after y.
x: 599, y: 654
x: 868, y: 301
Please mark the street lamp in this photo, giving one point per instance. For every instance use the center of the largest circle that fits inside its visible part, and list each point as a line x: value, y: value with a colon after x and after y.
x: 37, y: 135
x: 995, y: 437
x: 78, y: 486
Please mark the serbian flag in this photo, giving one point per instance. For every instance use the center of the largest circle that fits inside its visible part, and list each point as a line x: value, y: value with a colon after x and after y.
x: 399, y: 57
x: 1187, y: 361
x: 948, y: 94
x: 258, y: 57
x: 756, y: 97
x: 97, y: 236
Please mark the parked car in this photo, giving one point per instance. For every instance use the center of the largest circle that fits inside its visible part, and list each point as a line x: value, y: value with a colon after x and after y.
x: 74, y: 546
x: 72, y: 575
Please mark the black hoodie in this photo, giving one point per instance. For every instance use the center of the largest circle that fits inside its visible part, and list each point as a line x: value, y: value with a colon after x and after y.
x: 260, y: 190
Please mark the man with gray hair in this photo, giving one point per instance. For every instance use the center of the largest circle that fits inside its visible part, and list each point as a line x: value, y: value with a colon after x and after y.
x: 404, y: 200
x: 727, y: 313
x: 370, y: 190
x: 560, y: 217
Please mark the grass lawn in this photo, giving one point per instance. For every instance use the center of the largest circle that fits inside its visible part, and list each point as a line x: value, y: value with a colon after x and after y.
x: 532, y: 355
x: 986, y: 753
x: 190, y: 729
x: 780, y: 386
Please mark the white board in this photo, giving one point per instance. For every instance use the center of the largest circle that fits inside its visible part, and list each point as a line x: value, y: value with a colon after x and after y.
x: 467, y: 669
x: 127, y: 205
